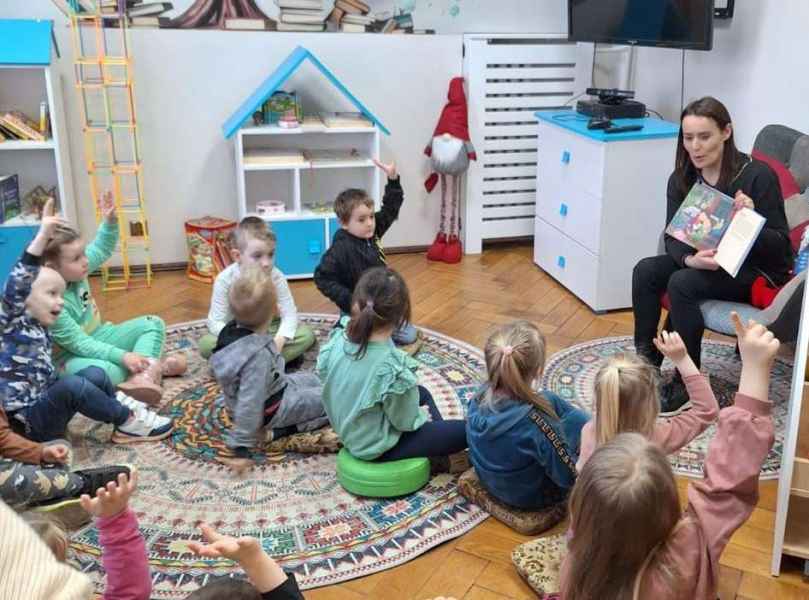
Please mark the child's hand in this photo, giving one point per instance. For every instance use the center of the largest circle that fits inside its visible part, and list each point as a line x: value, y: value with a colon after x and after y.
x: 55, y: 453
x: 50, y: 220
x: 108, y: 207
x: 218, y: 546
x: 113, y: 499
x: 390, y: 169
x: 135, y: 363
x: 671, y: 345
x: 757, y: 345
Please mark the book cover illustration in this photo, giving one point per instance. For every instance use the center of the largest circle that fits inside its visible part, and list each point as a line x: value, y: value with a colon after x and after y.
x: 702, y: 218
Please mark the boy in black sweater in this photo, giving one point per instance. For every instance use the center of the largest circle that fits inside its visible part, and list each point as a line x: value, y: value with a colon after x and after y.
x: 357, y: 246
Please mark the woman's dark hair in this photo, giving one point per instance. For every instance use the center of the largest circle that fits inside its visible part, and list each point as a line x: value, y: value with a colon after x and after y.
x: 732, y: 159
x: 380, y: 299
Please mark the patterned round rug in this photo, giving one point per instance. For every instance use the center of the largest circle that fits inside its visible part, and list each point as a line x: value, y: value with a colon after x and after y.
x: 571, y: 373
x: 291, y: 502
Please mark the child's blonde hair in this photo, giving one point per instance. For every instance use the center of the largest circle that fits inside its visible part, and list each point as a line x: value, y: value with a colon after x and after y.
x: 252, y: 297
x: 53, y: 249
x: 49, y: 531
x: 623, y: 508
x: 515, y: 355
x: 626, y: 397
x: 251, y: 227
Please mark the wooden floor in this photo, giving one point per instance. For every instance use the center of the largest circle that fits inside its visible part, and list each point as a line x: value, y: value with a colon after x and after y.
x: 465, y: 301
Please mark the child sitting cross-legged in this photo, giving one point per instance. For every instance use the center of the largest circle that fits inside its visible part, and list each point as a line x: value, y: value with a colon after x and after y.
x: 370, y: 388
x: 523, y: 443
x: 630, y: 539
x: 250, y: 370
x: 627, y: 400
x: 130, y: 352
x: 32, y: 397
x: 252, y: 243
x: 357, y: 245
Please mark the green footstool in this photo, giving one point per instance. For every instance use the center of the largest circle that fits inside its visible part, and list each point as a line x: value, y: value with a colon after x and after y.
x: 381, y: 479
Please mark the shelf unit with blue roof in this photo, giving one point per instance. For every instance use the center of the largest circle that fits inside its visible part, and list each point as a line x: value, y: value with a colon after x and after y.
x: 304, y: 168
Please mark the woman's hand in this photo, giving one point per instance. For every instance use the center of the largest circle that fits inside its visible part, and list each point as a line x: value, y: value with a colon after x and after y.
x: 742, y: 200
x: 703, y: 260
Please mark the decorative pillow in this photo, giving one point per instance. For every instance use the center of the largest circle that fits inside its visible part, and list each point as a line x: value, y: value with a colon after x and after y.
x: 539, y: 562
x: 319, y: 441
x: 796, y: 208
x: 526, y: 522
x: 789, y: 186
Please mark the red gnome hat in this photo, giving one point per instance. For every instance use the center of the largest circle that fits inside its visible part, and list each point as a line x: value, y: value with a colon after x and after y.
x: 454, y: 121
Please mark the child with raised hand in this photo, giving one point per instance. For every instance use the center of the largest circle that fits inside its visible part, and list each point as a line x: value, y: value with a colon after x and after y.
x: 523, y: 443
x: 253, y: 244
x: 31, y: 395
x: 357, y: 245
x: 129, y: 352
x: 370, y: 388
x: 266, y: 579
x: 627, y: 400
x: 250, y: 370
x: 630, y: 539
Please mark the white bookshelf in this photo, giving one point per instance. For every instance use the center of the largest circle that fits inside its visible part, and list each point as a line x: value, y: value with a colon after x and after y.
x: 307, y: 187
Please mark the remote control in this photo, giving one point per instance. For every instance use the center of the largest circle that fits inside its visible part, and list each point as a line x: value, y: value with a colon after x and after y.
x: 623, y: 128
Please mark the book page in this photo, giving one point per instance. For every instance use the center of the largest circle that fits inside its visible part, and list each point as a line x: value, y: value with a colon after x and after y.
x: 703, y: 217
x: 738, y: 239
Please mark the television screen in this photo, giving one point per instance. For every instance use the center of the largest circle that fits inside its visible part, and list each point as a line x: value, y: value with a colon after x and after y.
x: 668, y: 23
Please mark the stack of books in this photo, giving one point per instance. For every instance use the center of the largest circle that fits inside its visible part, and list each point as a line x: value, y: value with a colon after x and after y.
x: 301, y: 15
x: 14, y: 125
x: 342, y: 120
x: 10, y: 205
x: 139, y: 13
x: 351, y: 16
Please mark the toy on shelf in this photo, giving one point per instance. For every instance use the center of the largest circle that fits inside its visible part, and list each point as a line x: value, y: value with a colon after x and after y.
x: 208, y: 249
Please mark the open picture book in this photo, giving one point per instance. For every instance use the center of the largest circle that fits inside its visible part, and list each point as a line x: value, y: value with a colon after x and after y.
x: 708, y: 220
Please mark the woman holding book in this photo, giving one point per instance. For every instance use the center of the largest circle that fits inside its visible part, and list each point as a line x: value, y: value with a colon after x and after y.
x: 706, y: 153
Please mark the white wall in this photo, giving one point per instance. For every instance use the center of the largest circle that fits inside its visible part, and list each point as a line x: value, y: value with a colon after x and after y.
x: 189, y: 82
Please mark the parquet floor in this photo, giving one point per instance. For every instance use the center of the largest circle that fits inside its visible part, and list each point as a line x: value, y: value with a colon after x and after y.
x: 465, y: 301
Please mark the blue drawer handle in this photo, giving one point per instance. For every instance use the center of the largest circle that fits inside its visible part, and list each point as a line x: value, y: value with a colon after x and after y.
x: 561, y: 262
x: 314, y: 247
x: 565, y: 157
x: 563, y: 209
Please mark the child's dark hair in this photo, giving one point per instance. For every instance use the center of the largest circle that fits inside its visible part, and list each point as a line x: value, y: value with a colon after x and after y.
x: 380, y: 299
x: 226, y: 587
x: 348, y: 200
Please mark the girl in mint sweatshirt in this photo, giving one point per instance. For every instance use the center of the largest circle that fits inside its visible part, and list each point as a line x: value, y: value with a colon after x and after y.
x: 128, y: 352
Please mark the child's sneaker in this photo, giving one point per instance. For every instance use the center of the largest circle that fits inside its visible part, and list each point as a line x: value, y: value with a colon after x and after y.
x: 135, y: 406
x: 98, y: 477
x: 143, y: 426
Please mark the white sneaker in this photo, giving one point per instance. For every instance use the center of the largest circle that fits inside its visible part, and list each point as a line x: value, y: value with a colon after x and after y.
x: 136, y: 406
x: 144, y: 426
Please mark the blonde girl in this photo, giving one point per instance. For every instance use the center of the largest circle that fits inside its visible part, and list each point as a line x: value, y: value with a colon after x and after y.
x: 627, y: 400
x: 523, y: 443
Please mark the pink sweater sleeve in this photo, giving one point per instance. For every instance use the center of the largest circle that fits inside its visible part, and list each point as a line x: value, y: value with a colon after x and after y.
x: 723, y: 501
x: 674, y: 433
x: 124, y: 558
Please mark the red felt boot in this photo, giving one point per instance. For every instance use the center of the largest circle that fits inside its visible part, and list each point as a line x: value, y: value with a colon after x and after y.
x: 453, y: 251
x: 438, y: 247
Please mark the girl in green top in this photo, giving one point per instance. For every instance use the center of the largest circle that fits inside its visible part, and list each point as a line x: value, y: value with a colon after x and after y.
x: 370, y: 389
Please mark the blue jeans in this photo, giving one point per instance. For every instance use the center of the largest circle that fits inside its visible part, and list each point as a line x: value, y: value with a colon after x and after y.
x: 435, y: 438
x: 88, y: 392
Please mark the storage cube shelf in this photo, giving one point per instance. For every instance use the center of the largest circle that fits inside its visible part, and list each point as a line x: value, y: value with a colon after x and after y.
x: 305, y: 168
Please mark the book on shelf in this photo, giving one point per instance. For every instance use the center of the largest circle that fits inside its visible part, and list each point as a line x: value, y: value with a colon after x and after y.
x: 349, y: 8
x: 329, y: 155
x: 161, y: 22
x: 111, y: 7
x: 345, y: 119
x: 22, y: 126
x: 352, y: 27
x: 708, y: 220
x: 248, y: 24
x: 358, y: 4
x: 336, y: 15
x: 301, y: 26
x: 311, y: 122
x: 273, y: 156
x: 10, y: 204
x: 358, y: 20
x: 147, y: 9
x: 301, y: 16
x: 315, y: 4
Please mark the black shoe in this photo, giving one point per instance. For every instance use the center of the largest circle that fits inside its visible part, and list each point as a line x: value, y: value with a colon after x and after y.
x: 99, y: 477
x: 673, y: 398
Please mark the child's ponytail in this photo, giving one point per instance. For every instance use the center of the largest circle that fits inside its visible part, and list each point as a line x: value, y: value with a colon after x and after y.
x: 380, y: 300
x: 626, y: 397
x: 515, y: 356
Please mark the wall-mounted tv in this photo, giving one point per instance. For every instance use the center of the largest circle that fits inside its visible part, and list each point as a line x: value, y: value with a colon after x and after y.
x: 668, y: 23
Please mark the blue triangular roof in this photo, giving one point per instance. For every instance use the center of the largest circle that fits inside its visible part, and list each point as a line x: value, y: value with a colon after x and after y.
x: 274, y: 82
x: 25, y: 42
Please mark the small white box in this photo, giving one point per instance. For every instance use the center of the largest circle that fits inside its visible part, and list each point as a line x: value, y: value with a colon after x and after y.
x: 268, y: 208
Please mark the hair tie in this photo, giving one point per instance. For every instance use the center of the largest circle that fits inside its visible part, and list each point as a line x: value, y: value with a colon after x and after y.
x: 507, y: 350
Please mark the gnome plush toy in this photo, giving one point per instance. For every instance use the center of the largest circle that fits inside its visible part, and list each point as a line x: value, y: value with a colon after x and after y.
x: 450, y: 151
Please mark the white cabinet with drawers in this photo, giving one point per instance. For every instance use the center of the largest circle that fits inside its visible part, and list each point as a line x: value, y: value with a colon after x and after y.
x: 601, y: 203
